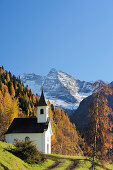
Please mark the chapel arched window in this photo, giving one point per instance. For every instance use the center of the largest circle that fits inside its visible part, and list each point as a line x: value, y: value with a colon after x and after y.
x: 27, y: 138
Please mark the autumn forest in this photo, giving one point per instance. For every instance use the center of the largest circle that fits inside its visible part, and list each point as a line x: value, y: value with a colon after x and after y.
x: 17, y: 100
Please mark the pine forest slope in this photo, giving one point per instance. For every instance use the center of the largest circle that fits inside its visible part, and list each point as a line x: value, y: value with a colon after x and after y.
x: 16, y: 100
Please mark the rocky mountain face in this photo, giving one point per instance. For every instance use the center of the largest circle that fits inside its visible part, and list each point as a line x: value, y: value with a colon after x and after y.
x: 60, y: 88
x: 80, y: 115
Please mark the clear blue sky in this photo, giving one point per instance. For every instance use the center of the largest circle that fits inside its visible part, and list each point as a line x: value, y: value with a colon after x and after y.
x: 75, y: 36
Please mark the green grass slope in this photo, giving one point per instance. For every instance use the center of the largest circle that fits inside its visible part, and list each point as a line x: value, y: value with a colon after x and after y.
x: 84, y: 163
x: 8, y: 161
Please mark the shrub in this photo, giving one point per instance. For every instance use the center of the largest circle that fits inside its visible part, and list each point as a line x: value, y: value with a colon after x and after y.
x: 28, y: 152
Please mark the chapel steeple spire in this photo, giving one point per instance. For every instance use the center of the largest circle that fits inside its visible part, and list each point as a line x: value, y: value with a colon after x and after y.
x: 42, y: 101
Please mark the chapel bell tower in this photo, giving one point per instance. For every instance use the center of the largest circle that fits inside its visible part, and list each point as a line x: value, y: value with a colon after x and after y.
x: 42, y: 109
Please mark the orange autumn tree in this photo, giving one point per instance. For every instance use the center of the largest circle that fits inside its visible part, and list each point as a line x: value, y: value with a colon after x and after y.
x: 12, y: 90
x: 8, y: 110
x: 26, y: 99
x: 100, y: 136
x: 65, y: 137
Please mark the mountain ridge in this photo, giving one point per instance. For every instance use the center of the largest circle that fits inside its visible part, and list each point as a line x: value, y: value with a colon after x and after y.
x: 60, y: 88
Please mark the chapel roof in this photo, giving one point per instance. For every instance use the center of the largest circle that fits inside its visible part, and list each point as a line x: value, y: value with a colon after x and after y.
x: 27, y: 125
x: 42, y: 101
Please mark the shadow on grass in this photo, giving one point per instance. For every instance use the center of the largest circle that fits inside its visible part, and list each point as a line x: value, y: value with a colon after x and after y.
x: 5, y: 167
x: 96, y: 164
x: 77, y: 161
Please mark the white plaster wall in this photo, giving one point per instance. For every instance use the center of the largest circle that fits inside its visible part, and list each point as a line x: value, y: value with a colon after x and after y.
x: 48, y: 140
x: 38, y: 139
x: 42, y: 117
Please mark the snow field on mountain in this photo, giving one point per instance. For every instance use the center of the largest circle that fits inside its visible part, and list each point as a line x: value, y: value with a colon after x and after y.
x: 60, y: 88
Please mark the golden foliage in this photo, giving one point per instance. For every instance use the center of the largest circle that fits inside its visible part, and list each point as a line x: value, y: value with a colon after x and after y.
x: 65, y: 137
x: 2, y: 70
x: 101, y: 126
x: 15, y: 99
x: 12, y: 90
x: 7, y: 77
x: 8, y: 111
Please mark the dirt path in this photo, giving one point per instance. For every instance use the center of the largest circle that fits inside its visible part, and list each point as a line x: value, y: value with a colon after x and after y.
x: 73, y: 164
x: 58, y: 160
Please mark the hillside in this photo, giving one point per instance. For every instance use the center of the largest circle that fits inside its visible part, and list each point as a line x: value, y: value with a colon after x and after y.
x: 8, y: 161
x: 12, y: 85
x: 80, y: 116
x: 65, y: 139
x: 18, y: 101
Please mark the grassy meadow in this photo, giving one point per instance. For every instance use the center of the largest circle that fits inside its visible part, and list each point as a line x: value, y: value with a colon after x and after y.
x: 8, y: 161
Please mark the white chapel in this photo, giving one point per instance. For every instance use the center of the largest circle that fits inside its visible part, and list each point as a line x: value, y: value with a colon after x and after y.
x: 38, y: 129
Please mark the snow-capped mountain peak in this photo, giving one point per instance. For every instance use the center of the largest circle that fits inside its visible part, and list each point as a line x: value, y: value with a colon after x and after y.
x: 70, y: 84
x: 60, y: 88
x: 53, y: 74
